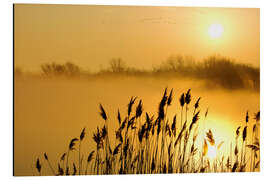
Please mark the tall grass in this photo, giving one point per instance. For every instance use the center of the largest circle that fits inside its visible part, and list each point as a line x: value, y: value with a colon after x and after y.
x: 146, y: 144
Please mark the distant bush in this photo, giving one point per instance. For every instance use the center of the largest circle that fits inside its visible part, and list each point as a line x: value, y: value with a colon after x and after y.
x: 216, y: 70
x: 60, y: 69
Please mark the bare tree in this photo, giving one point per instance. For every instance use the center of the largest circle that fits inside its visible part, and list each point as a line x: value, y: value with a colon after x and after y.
x: 117, y: 65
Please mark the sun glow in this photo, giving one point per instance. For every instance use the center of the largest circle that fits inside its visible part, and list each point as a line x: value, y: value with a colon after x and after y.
x: 212, y: 152
x: 215, y: 30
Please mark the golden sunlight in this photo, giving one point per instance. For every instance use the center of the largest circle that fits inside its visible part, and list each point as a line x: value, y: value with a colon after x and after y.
x: 212, y: 152
x: 135, y: 90
x: 215, y: 30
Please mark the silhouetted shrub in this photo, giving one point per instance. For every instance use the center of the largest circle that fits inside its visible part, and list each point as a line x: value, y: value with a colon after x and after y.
x: 216, y: 70
x: 60, y: 69
x: 117, y: 65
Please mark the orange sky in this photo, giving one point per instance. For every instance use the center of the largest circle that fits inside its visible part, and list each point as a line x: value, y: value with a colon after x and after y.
x: 142, y: 36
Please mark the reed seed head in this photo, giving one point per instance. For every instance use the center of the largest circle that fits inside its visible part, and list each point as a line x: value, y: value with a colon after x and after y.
x: 245, y: 133
x: 139, y: 109
x: 45, y: 156
x: 182, y: 100
x: 119, y: 117
x: 63, y: 157
x: 72, y: 143
x: 38, y: 165
x: 237, y: 131
x: 102, y: 112
x: 169, y: 102
x: 197, y: 103
x: 90, y: 156
x: 82, y: 135
x: 257, y: 116
x: 130, y: 104
x: 247, y: 117
x: 210, y: 137
x: 188, y: 97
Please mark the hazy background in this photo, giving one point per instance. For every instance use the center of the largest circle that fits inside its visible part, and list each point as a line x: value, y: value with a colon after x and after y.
x: 142, y: 36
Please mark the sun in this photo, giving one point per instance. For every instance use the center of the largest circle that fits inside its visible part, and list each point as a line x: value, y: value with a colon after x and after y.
x: 215, y: 31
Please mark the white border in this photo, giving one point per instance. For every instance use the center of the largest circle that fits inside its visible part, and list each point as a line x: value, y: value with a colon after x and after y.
x: 6, y: 95
x: 202, y: 3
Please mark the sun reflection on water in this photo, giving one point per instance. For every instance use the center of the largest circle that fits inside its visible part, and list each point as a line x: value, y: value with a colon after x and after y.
x: 212, y: 152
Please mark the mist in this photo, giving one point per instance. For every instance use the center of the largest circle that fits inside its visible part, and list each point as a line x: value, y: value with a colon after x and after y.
x: 51, y: 111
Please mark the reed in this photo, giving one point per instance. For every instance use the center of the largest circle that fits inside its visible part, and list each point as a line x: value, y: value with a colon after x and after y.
x: 145, y: 144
